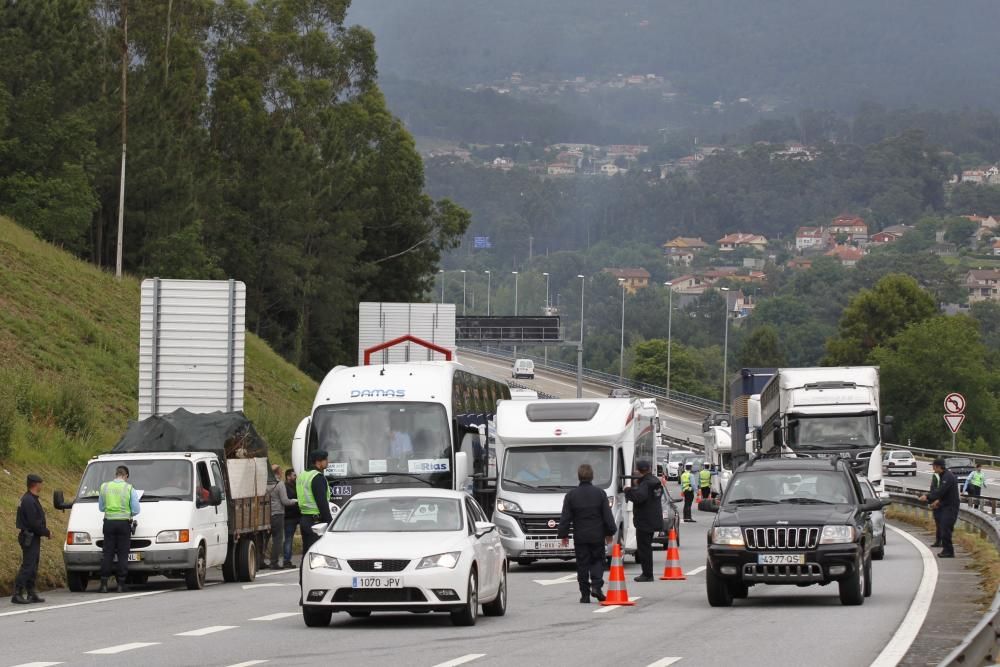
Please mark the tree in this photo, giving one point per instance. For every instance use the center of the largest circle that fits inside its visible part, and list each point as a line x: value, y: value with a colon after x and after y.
x: 762, y: 349
x: 687, y: 369
x: 959, y: 230
x: 876, y: 315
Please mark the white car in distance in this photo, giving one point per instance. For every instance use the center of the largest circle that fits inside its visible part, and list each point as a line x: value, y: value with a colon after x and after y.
x: 899, y: 461
x: 406, y: 550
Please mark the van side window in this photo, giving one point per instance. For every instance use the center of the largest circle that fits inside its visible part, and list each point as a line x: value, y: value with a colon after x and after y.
x: 204, y: 482
x: 219, y: 479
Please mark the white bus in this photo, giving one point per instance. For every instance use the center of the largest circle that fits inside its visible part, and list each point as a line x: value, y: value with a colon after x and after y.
x: 401, y: 425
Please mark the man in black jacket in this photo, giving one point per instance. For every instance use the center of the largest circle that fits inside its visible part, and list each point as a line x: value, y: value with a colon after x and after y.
x: 944, y: 501
x: 32, y: 528
x: 647, y: 515
x: 586, y: 508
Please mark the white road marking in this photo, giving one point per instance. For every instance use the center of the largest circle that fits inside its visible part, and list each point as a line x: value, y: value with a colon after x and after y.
x: 275, y: 573
x: 210, y: 630
x: 462, y: 660
x: 121, y: 648
x: 914, y: 619
x: 663, y: 662
x: 248, y: 587
x: 100, y: 600
x: 604, y: 610
x: 561, y: 580
x: 249, y: 663
x: 697, y: 570
x: 275, y: 617
x: 38, y: 664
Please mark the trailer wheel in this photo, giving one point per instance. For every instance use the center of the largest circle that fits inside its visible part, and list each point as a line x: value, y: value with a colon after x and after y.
x: 229, y: 574
x: 246, y: 559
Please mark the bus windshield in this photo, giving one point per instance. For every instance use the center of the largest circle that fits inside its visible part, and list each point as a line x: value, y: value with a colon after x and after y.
x: 376, y: 439
x: 553, y: 467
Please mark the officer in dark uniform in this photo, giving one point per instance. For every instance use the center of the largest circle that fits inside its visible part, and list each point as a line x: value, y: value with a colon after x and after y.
x: 31, y: 529
x: 944, y: 501
x: 586, y: 509
x: 647, y: 515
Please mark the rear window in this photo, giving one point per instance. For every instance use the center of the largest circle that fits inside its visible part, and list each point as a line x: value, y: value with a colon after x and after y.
x: 561, y: 412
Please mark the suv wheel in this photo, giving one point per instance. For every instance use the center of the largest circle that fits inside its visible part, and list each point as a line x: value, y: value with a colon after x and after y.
x: 852, y: 586
x: 717, y: 588
x: 868, y: 578
x: 738, y: 590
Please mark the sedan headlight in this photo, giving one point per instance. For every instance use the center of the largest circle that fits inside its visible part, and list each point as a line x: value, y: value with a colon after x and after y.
x: 449, y: 560
x: 837, y: 535
x: 173, y: 536
x: 507, y: 506
x: 321, y: 562
x: 729, y: 536
x: 78, y: 538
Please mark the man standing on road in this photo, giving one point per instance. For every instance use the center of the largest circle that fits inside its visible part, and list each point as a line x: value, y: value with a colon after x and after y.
x: 944, y: 501
x: 935, y: 481
x: 278, y: 496
x: 687, y: 490
x: 313, y: 493
x: 30, y: 523
x: 647, y: 515
x: 974, y: 485
x: 292, y: 518
x: 586, y: 509
x: 119, y: 502
x: 705, y: 480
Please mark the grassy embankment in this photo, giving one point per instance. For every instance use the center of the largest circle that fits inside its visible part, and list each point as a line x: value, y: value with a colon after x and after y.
x: 69, y: 337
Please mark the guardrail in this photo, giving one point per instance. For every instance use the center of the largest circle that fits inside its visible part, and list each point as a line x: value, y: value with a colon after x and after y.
x: 946, y: 453
x: 651, y: 390
x: 981, y: 645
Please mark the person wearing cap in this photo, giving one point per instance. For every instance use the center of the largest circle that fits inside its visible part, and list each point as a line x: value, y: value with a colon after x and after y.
x: 587, y: 511
x: 31, y: 528
x: 687, y: 490
x: 944, y: 502
x: 705, y: 480
x: 313, y: 493
x: 647, y: 514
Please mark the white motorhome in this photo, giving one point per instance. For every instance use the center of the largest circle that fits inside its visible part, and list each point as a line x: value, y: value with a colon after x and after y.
x: 719, y: 453
x: 540, y: 445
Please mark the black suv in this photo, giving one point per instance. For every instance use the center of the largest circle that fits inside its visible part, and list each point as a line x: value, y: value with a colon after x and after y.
x: 791, y: 521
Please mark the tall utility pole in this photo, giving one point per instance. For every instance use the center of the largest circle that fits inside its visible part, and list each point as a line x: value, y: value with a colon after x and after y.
x: 579, y: 346
x: 621, y: 350
x: 547, y: 311
x: 441, y: 273
x: 725, y: 350
x: 515, y: 307
x: 670, y: 321
x: 463, y: 292
x: 121, y: 189
x: 489, y: 278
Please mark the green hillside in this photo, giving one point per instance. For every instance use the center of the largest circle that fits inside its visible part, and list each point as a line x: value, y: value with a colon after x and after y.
x: 69, y: 337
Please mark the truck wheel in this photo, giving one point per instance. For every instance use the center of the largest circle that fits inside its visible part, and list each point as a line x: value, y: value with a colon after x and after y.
x: 246, y: 559
x: 77, y: 581
x: 316, y: 619
x: 195, y: 577
x: 229, y: 567
x: 719, y: 593
x: 852, y: 587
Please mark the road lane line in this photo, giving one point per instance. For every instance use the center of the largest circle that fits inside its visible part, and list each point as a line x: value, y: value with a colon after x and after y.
x: 277, y: 616
x: 275, y: 573
x: 604, y: 610
x: 249, y: 663
x: 663, y: 662
x: 461, y: 660
x: 210, y: 630
x: 248, y: 587
x: 121, y: 648
x: 561, y: 580
x: 697, y: 570
x: 100, y: 600
x: 897, y: 647
x: 39, y: 664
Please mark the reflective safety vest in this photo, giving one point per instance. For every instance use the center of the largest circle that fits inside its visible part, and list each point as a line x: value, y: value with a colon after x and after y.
x: 117, y: 496
x: 686, y: 480
x: 705, y: 477
x: 304, y: 492
x: 977, y: 478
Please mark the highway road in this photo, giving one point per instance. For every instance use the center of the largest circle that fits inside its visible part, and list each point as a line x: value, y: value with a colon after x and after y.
x: 260, y: 624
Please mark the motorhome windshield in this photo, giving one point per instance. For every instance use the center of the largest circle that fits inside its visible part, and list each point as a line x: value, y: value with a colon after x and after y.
x: 163, y: 479
x: 553, y: 467
x: 385, y: 439
x: 832, y: 432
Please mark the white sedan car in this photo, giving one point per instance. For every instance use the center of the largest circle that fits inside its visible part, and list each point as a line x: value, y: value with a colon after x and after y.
x: 899, y: 461
x: 411, y: 550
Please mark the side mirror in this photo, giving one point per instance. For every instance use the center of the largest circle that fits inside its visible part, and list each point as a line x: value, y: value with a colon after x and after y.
x: 484, y: 528
x: 884, y: 502
x: 59, y: 502
x: 871, y: 506
x: 320, y: 529
x: 659, y: 470
x: 461, y: 469
x: 299, y: 445
x: 888, y: 431
x: 215, y: 496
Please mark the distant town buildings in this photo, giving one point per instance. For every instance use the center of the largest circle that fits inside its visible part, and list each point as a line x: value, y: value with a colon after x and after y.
x: 633, y: 279
x: 731, y: 242
x: 982, y: 285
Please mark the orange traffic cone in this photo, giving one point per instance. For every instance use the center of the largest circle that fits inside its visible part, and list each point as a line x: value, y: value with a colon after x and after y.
x: 672, y: 571
x: 617, y: 595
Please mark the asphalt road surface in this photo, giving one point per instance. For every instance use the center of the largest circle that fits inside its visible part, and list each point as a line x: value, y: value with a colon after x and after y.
x: 260, y: 623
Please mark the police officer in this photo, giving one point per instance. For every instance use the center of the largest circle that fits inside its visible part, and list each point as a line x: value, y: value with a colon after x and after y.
x: 586, y: 509
x: 705, y: 480
x: 119, y: 502
x: 30, y: 523
x: 974, y: 485
x: 944, y: 501
x: 313, y: 493
x: 935, y: 480
x: 647, y: 515
x: 687, y: 490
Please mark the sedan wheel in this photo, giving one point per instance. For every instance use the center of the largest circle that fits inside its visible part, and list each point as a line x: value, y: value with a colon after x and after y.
x: 498, y: 606
x: 470, y: 612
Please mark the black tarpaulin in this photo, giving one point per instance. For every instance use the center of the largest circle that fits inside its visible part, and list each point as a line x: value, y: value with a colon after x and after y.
x: 231, y: 435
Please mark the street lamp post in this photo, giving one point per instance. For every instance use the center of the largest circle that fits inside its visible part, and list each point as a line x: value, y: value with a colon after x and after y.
x: 579, y: 346
x: 725, y: 349
x: 621, y: 350
x: 441, y: 272
x: 670, y: 321
x: 515, y: 308
x: 545, y: 361
x: 489, y: 278
x: 463, y: 292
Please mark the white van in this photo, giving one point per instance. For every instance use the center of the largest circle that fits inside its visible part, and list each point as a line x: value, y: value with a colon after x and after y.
x: 523, y: 368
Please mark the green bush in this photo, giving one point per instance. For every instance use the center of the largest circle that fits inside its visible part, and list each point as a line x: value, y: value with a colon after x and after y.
x: 72, y: 411
x: 8, y: 414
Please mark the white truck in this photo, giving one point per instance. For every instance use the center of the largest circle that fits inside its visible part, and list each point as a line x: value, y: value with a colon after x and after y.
x: 540, y: 445
x: 202, y: 480
x: 824, y: 412
x: 719, y: 453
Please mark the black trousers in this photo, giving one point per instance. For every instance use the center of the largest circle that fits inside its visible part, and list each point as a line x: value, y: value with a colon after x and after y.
x: 117, y: 539
x: 589, y: 565
x: 946, y: 524
x: 706, y: 492
x: 644, y: 551
x: 309, y: 538
x: 975, y: 492
x: 29, y: 565
x: 688, y: 499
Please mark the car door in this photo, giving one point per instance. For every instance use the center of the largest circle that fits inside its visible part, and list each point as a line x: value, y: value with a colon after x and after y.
x: 220, y: 519
x: 485, y: 555
x: 496, y: 545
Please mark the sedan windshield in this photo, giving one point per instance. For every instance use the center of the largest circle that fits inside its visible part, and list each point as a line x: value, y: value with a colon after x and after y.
x: 163, y: 479
x: 772, y: 486
x: 399, y: 515
x: 959, y: 463
x: 554, y: 467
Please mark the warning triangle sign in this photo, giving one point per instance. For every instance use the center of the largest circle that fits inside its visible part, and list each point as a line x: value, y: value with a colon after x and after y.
x: 954, y: 421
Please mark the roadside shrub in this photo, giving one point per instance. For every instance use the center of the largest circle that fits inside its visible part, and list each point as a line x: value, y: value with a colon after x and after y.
x: 72, y: 411
x: 8, y: 415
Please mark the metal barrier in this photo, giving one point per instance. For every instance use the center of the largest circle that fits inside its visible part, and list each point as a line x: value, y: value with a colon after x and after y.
x: 981, y: 645
x: 945, y: 453
x: 651, y: 390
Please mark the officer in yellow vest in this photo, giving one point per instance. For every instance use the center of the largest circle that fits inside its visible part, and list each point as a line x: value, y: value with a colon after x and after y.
x: 313, y: 492
x: 974, y: 485
x: 687, y: 489
x: 119, y: 502
x: 705, y: 480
